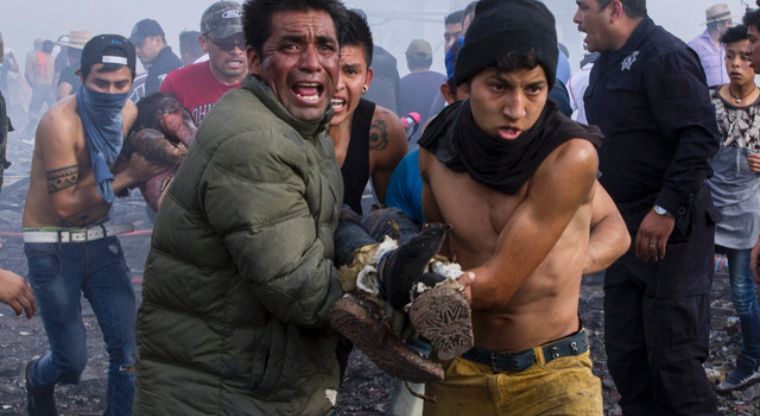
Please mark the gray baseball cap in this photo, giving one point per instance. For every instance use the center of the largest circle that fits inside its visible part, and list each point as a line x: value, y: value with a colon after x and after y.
x: 222, y: 19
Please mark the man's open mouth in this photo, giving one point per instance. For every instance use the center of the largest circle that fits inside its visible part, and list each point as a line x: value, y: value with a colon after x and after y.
x: 309, y: 92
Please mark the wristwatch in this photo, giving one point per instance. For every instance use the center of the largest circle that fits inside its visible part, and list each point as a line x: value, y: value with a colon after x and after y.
x: 661, y: 211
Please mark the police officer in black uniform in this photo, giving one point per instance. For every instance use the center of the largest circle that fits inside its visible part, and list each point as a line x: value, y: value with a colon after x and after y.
x: 156, y: 56
x: 649, y: 96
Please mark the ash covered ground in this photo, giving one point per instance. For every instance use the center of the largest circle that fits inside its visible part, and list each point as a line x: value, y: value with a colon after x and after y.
x: 366, y: 390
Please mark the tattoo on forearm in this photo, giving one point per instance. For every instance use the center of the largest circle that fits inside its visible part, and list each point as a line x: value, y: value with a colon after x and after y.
x: 378, y: 135
x: 62, y: 178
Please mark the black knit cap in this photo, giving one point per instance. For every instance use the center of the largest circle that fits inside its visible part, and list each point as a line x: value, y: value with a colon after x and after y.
x: 504, y: 26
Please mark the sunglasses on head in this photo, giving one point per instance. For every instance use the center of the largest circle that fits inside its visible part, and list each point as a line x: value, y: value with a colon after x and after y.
x: 230, y: 43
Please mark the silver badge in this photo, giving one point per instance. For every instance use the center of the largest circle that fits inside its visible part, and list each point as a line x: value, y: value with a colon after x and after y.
x: 629, y: 61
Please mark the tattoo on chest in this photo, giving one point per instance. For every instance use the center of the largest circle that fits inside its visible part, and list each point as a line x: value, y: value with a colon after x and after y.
x: 62, y: 178
x: 378, y: 135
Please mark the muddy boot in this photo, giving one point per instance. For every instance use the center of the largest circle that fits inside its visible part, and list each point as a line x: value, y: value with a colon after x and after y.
x: 441, y: 314
x: 360, y: 320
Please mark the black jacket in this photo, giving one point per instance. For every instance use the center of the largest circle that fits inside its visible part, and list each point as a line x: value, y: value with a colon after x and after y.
x: 651, y: 101
x: 166, y: 61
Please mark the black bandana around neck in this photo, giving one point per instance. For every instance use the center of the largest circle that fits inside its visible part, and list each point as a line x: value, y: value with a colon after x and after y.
x: 503, y: 165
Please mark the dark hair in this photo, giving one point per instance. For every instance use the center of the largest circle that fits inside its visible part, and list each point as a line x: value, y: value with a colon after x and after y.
x: 734, y: 34
x: 414, y: 62
x: 752, y: 18
x: 188, y: 42
x: 514, y: 61
x: 454, y: 18
x: 355, y: 32
x: 633, y: 8
x: 107, y: 68
x: 257, y: 17
x: 47, y: 46
x: 470, y: 9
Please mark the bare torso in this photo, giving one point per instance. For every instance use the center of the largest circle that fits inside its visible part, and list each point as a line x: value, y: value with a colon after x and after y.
x: 60, y: 128
x: 544, y: 306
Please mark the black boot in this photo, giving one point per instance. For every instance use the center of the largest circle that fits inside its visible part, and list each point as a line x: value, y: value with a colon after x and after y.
x: 40, y: 400
x: 401, y: 269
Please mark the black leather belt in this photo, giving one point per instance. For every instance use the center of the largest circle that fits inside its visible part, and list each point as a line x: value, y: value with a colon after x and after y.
x: 515, y: 362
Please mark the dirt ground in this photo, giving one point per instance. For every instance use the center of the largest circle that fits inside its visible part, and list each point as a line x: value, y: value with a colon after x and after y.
x: 366, y: 390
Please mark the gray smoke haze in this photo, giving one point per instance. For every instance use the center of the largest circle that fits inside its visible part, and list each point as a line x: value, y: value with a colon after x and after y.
x: 394, y: 22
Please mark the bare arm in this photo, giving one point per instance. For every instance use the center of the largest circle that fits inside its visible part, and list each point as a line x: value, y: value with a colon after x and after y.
x: 537, y: 223
x: 69, y: 196
x: 609, y: 236
x: 387, y: 146
x: 16, y: 293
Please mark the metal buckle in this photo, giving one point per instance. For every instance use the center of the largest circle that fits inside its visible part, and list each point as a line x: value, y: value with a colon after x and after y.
x: 555, y: 352
x: 574, y: 347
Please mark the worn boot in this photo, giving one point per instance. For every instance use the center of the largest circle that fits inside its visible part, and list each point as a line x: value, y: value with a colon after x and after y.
x: 402, y: 268
x: 441, y: 314
x: 437, y: 306
x: 360, y: 320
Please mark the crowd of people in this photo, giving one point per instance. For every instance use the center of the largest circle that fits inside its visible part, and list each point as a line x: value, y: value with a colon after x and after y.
x: 496, y: 187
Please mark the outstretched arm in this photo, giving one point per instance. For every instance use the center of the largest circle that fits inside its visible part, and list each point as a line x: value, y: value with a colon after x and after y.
x: 609, y: 236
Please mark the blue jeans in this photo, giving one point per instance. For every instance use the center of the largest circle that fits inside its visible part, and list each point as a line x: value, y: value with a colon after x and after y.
x: 59, y: 274
x: 744, y: 297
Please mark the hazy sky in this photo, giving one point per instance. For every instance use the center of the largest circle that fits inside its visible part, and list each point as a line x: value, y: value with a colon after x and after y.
x: 394, y: 22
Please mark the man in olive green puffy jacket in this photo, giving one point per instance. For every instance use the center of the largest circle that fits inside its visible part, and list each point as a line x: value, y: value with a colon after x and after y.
x: 240, y: 277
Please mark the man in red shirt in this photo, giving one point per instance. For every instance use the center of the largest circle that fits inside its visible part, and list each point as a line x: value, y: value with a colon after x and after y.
x: 199, y: 86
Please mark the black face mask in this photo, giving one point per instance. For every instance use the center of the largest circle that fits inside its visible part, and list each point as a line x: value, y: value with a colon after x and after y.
x: 503, y: 165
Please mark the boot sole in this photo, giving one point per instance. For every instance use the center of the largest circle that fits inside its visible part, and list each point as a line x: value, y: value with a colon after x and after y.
x: 359, y: 320
x: 442, y: 315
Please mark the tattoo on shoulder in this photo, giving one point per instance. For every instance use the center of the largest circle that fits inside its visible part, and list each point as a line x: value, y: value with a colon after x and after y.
x: 62, y: 178
x: 378, y: 135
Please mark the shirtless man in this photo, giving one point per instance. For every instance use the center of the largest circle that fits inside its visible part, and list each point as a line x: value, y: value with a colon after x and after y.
x: 69, y: 247
x: 368, y: 139
x: 497, y: 168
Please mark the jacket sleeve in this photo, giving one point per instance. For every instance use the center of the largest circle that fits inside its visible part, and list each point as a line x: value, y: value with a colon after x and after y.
x: 253, y: 194
x: 680, y: 100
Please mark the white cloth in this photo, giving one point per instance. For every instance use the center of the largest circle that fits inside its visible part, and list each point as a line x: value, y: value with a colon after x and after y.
x: 576, y: 87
